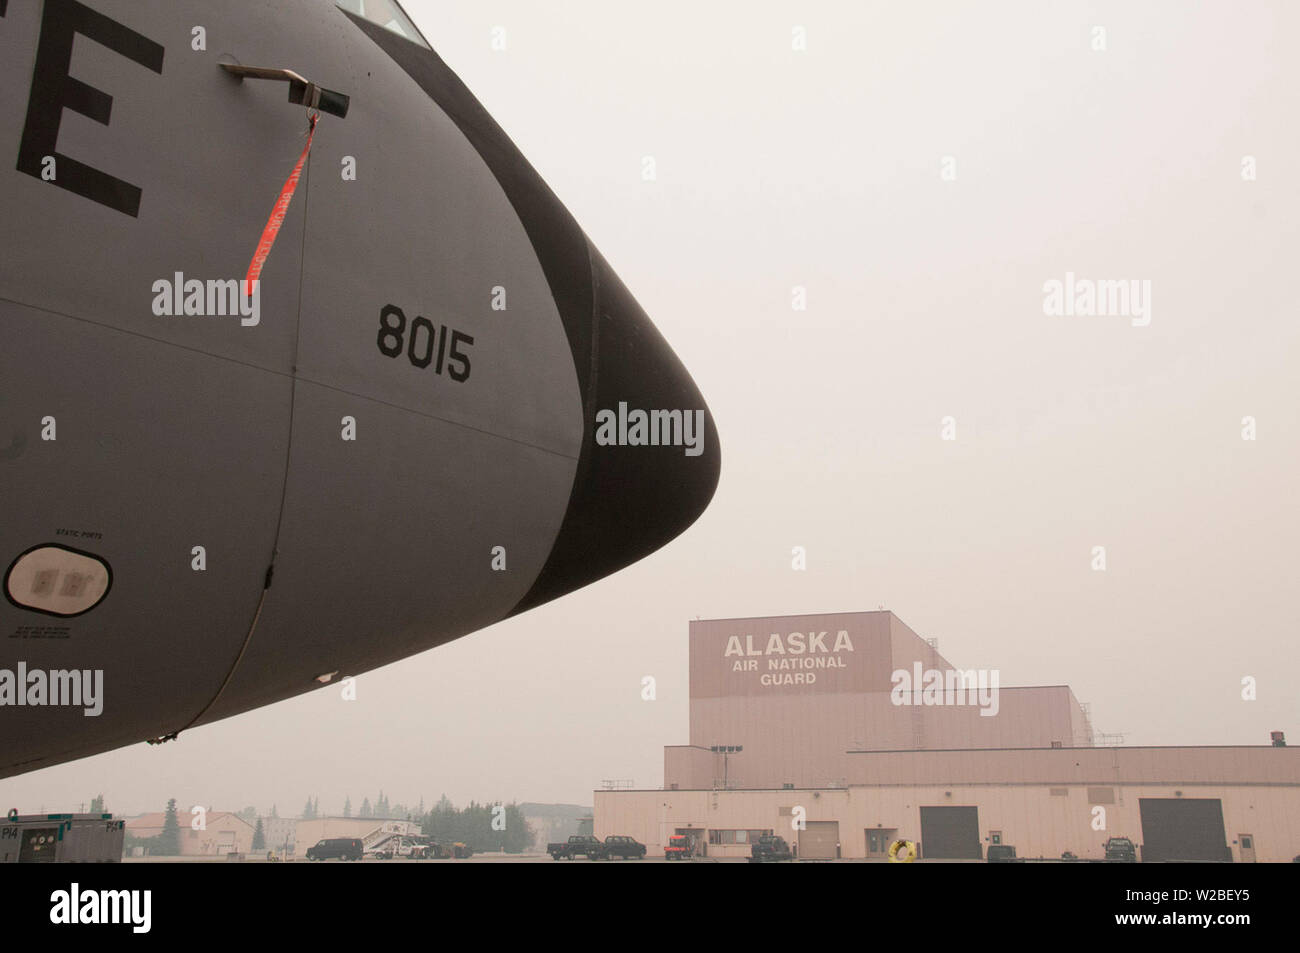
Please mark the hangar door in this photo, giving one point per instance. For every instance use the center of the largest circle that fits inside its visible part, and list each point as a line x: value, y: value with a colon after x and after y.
x: 950, y: 832
x: 817, y: 841
x: 1180, y: 828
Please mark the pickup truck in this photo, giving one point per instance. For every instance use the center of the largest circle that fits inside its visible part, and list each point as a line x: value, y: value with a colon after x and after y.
x: 618, y: 846
x: 579, y: 844
x: 1002, y: 854
x: 769, y: 848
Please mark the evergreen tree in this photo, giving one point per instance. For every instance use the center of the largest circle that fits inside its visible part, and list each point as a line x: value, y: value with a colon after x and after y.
x: 365, y: 808
x: 274, y: 812
x: 347, y: 806
x: 518, y: 833
x: 97, y: 804
x: 473, y: 825
x: 169, y: 841
x: 308, y: 812
x: 315, y: 808
x: 259, y: 837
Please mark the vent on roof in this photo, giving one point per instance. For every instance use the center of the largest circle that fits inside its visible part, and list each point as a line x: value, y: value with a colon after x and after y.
x: 1101, y: 795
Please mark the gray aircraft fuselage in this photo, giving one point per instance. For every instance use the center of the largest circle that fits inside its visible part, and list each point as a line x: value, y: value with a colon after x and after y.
x: 401, y: 443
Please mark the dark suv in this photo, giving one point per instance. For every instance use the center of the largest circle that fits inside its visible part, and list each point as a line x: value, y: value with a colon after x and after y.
x: 769, y: 848
x: 1121, y: 850
x: 344, y: 848
x: 617, y: 845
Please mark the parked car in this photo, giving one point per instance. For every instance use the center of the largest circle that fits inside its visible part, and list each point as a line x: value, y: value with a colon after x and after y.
x: 769, y: 848
x: 1002, y: 854
x: 616, y: 845
x: 578, y: 845
x: 344, y: 848
x: 1121, y: 849
x: 679, y: 847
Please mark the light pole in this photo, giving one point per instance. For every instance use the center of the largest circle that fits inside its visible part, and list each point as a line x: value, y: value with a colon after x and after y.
x: 726, y: 751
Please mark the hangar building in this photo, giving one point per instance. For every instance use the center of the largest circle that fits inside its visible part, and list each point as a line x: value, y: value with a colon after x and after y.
x: 843, y: 732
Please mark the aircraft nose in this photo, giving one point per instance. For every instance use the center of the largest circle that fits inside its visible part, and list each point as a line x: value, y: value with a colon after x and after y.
x: 628, y: 498
x: 650, y: 457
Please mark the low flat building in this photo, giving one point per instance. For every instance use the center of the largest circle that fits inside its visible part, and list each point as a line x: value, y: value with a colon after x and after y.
x: 551, y: 822
x: 219, y: 833
x: 280, y: 833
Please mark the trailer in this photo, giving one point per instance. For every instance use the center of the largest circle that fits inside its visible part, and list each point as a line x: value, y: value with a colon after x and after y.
x: 61, y: 839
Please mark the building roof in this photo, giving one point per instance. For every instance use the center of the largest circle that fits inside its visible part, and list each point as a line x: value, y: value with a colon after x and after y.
x: 158, y: 818
x: 799, y: 615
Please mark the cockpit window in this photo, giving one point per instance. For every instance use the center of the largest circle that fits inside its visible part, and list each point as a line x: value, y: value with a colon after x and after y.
x: 387, y: 14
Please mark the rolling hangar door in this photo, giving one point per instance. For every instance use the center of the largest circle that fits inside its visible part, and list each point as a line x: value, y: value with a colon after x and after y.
x: 951, y: 833
x: 817, y: 841
x: 1181, y: 828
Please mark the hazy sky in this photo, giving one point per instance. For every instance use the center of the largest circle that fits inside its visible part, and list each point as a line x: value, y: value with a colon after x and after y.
x: 925, y: 298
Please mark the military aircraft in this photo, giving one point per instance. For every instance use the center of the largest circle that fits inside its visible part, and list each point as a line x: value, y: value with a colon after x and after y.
x: 302, y: 368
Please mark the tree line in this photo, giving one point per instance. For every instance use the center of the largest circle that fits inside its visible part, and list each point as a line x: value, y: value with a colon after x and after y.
x: 483, y: 827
